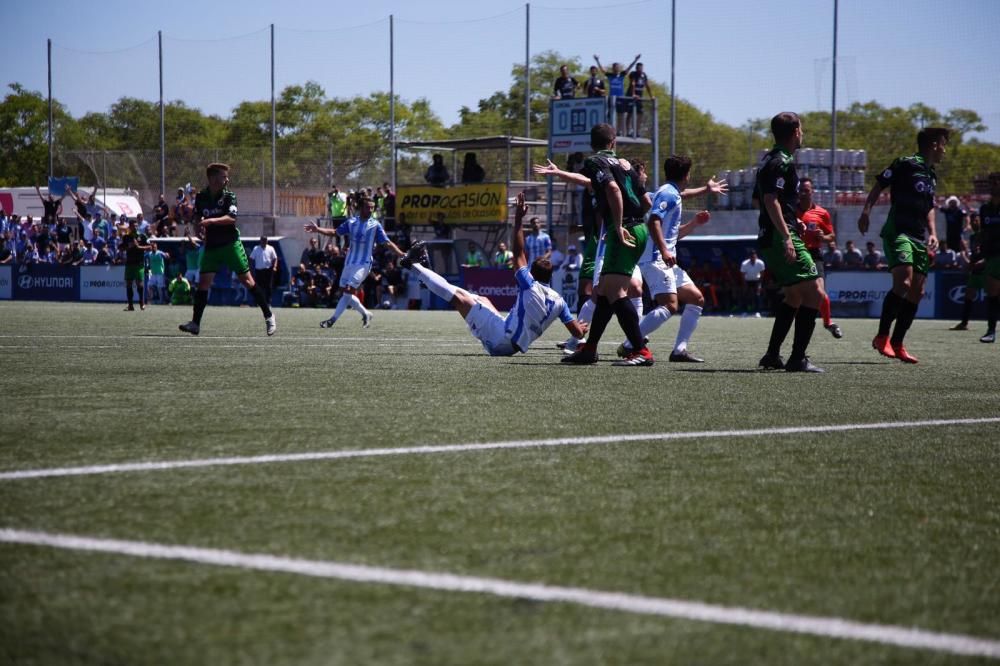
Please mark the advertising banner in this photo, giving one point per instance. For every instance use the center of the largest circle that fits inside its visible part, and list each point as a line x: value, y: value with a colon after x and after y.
x: 497, y: 284
x: 6, y: 289
x: 951, y: 288
x: 570, y: 121
x: 46, y: 282
x: 869, y: 288
x: 482, y: 203
x: 102, y: 283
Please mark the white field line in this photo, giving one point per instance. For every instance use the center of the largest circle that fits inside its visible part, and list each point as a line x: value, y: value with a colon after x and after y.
x: 480, y: 446
x: 829, y: 627
x: 179, y: 336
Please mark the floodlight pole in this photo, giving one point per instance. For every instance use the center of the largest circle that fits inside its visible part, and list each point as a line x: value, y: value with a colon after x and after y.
x: 673, y: 95
x: 274, y: 131
x: 163, y: 142
x: 50, y: 105
x: 833, y: 109
x: 392, y: 103
x: 527, y: 88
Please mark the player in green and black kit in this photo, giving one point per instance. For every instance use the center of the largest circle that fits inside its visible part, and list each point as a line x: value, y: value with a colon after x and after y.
x: 912, y: 181
x: 786, y: 256
x: 135, y: 248
x: 989, y: 225
x: 621, y: 204
x: 215, y: 209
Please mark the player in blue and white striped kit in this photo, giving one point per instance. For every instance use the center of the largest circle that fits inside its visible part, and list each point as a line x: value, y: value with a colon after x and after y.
x: 363, y: 232
x: 536, y: 307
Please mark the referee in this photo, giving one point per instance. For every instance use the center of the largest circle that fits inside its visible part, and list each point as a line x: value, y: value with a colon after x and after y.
x: 265, y: 266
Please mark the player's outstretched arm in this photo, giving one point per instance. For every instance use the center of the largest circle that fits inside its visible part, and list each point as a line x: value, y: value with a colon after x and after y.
x: 311, y: 228
x: 863, y: 220
x: 551, y: 169
x: 517, y: 242
x: 577, y: 328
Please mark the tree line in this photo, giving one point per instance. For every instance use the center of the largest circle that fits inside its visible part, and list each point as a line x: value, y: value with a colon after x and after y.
x: 322, y: 139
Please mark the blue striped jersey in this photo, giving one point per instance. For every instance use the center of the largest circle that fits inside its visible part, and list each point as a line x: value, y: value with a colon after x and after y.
x: 363, y: 235
x: 667, y: 208
x: 536, y: 246
x: 536, y: 307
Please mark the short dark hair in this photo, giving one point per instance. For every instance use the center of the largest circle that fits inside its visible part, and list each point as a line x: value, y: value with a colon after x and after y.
x: 215, y: 167
x: 806, y: 179
x: 602, y: 135
x: 676, y: 167
x: 929, y: 135
x: 784, y: 124
x: 541, y: 270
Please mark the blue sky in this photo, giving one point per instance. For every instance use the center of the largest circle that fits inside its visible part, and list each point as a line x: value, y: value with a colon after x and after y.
x: 735, y: 59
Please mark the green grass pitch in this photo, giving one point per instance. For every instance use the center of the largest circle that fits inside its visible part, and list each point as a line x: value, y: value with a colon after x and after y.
x: 891, y: 527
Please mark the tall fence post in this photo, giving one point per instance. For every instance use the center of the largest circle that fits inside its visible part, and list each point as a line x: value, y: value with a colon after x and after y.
x: 527, y: 88
x: 50, y: 105
x: 392, y: 102
x: 163, y: 137
x: 274, y: 134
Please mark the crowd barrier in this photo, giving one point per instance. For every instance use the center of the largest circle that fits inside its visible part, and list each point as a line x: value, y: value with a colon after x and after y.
x: 857, y: 293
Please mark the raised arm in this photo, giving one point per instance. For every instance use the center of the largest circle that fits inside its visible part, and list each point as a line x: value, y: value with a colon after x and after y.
x: 517, y: 242
x: 632, y: 64
x: 39, y: 191
x: 600, y: 67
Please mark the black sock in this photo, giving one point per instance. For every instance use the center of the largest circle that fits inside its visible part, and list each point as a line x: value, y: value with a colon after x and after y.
x: 966, y: 311
x: 805, y: 324
x: 141, y: 291
x: 128, y: 292
x: 261, y: 298
x: 992, y: 313
x: 628, y: 319
x: 784, y: 315
x: 890, y: 308
x: 907, y: 311
x: 602, y: 315
x: 200, y: 301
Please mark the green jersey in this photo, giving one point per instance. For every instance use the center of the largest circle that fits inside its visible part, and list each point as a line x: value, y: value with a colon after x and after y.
x: 207, y: 205
x: 604, y: 167
x: 912, y: 181
x: 989, y: 234
x: 777, y: 176
x: 157, y: 262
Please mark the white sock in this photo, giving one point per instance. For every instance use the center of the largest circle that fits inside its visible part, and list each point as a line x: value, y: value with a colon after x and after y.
x: 689, y: 322
x: 437, y: 284
x: 637, y: 302
x: 345, y: 300
x: 586, y: 314
x: 653, y: 319
x: 356, y: 304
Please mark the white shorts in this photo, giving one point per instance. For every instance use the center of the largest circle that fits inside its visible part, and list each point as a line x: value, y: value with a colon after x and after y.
x: 354, y: 275
x: 192, y: 275
x: 663, y: 279
x: 155, y: 280
x: 488, y: 327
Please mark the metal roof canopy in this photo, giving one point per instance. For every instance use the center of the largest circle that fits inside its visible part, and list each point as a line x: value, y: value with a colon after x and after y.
x: 482, y: 143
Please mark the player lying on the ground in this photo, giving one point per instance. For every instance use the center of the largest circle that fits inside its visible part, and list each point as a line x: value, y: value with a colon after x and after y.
x: 536, y: 307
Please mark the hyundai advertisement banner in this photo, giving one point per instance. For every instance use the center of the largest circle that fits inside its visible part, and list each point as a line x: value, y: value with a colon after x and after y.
x: 6, y: 290
x: 46, y: 282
